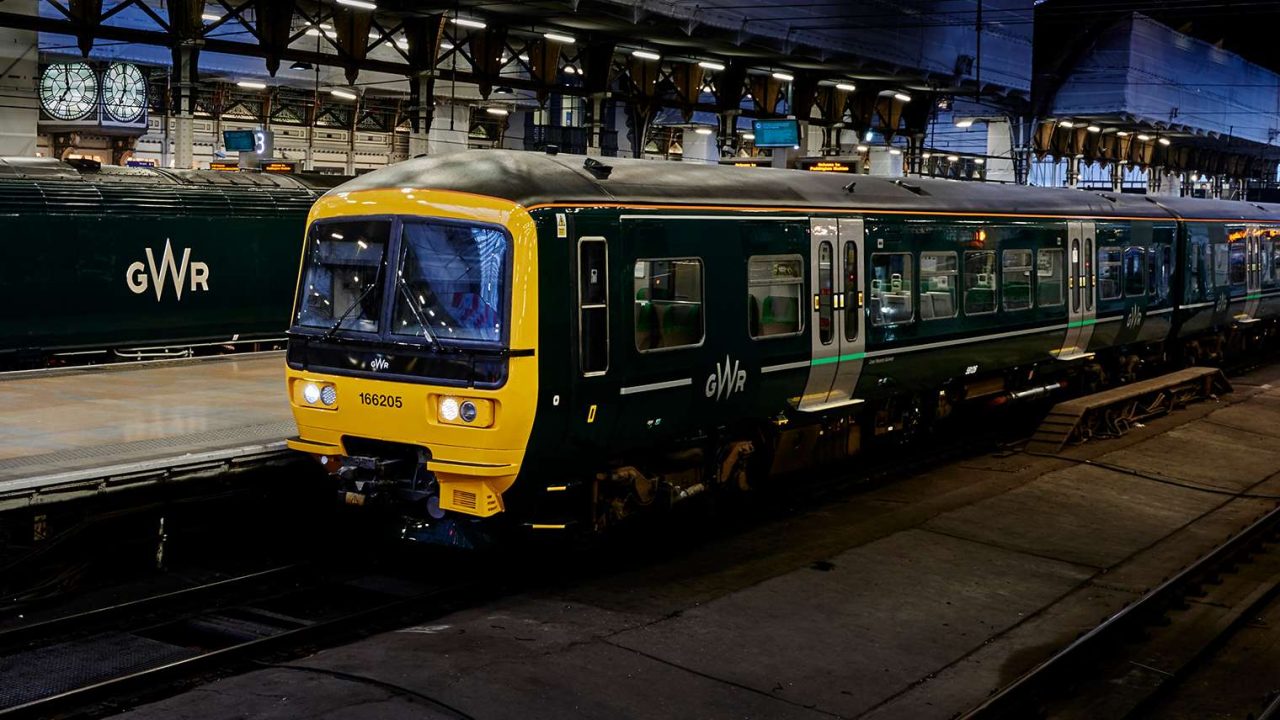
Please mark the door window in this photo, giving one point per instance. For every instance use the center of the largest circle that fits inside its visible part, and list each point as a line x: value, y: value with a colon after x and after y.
x: 593, y: 307
x: 852, y: 298
x: 826, y: 278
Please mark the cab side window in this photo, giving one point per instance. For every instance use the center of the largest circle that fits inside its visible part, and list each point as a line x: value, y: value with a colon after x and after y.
x: 774, y: 284
x: 668, y: 303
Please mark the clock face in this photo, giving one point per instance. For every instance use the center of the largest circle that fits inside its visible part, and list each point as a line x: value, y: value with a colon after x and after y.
x: 69, y: 91
x: 124, y: 92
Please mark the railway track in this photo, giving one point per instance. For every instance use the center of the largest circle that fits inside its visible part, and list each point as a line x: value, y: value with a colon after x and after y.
x: 1134, y: 658
x: 95, y: 662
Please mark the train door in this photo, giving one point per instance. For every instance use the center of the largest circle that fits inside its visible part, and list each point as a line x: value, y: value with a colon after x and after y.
x: 1082, y: 290
x: 1253, y: 270
x: 838, y: 338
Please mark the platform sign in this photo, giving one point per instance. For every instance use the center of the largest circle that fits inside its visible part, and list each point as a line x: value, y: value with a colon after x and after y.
x: 223, y: 166
x: 280, y: 167
x: 748, y: 162
x: 829, y: 166
x: 776, y: 133
x: 140, y: 163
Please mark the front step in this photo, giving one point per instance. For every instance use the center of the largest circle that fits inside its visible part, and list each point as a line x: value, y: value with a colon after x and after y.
x: 1112, y: 412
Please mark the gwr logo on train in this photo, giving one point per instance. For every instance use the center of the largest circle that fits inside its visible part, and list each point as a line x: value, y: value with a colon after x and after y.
x: 141, y: 276
x: 726, y: 380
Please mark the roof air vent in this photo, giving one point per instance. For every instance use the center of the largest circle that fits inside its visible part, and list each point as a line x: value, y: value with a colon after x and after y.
x: 910, y: 187
x: 598, y: 170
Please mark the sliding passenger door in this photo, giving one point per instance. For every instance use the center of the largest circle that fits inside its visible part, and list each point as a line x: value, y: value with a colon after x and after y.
x: 1082, y: 288
x: 837, y: 337
x: 1253, y: 270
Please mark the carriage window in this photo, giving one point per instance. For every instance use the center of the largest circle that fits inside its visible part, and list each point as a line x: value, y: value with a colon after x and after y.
x: 593, y: 306
x: 1159, y: 262
x: 1274, y: 249
x: 979, y: 283
x: 668, y: 303
x: 774, y: 284
x: 1016, y: 279
x: 891, y: 288
x: 1049, y: 274
x: 1109, y: 280
x: 1221, y: 264
x: 939, y: 272
x: 1238, y: 263
x: 1135, y: 267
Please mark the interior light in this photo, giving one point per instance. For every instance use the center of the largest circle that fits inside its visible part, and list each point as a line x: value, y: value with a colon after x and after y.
x: 847, y: 87
x: 902, y: 97
x: 252, y: 84
x: 557, y: 37
x: 1094, y: 129
x: 359, y: 4
x: 786, y: 77
x: 964, y: 122
x: 646, y: 55
x: 710, y: 65
x: 344, y: 94
x: 467, y: 22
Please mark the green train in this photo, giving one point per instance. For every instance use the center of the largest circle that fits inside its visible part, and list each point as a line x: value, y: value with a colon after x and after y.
x: 564, y: 342
x: 129, y: 262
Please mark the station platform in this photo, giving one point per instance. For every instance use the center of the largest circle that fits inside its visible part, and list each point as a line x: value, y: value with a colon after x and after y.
x: 68, y: 433
x: 914, y: 599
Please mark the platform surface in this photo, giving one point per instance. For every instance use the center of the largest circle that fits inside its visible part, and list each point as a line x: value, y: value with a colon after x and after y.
x: 67, y: 432
x: 910, y: 600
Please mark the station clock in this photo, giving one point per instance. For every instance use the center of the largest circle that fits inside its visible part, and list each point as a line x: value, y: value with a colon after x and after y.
x: 124, y: 92
x: 69, y: 91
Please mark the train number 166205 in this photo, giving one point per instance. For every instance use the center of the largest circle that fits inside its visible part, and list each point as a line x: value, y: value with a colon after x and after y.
x: 380, y: 400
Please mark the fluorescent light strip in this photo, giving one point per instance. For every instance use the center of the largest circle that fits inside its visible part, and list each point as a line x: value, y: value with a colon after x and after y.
x: 646, y: 55
x: 252, y: 84
x: 557, y: 37
x: 359, y: 4
x: 710, y: 65
x: 467, y: 22
x: 344, y: 94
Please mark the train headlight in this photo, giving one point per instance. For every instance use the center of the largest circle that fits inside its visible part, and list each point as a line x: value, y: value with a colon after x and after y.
x: 467, y: 412
x: 329, y: 395
x: 311, y: 393
x: 449, y: 409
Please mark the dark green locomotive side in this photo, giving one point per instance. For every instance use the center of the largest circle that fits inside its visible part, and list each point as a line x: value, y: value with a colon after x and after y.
x: 115, y: 258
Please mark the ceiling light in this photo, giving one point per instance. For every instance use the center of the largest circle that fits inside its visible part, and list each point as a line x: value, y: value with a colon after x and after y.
x: 646, y: 55
x: 862, y: 148
x: 784, y: 76
x: 570, y: 70
x: 1144, y: 137
x: 847, y: 87
x: 703, y: 131
x: 1121, y: 133
x: 748, y: 136
x: 1163, y: 141
x: 211, y: 17
x: 1066, y: 124
x: 895, y: 151
x: 979, y: 161
x: 344, y: 94
x: 902, y: 97
x: 964, y: 122
x: 500, y: 112
x: 300, y: 65
x: 359, y: 4
x: 1094, y: 129
x: 557, y: 37
x: 446, y: 46
x: 467, y: 22
x: 953, y: 158
x: 326, y: 26
x: 252, y: 84
x: 926, y: 156
x: 710, y: 65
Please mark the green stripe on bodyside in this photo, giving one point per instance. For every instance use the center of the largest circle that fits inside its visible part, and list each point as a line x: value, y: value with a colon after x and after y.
x: 1081, y: 323
x: 1253, y: 296
x: 841, y: 358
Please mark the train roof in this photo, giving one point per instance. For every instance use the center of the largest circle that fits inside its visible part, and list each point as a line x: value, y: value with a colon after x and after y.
x: 531, y: 179
x: 46, y: 185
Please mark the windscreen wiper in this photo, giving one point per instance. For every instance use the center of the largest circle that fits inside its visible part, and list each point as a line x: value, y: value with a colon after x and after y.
x: 417, y: 314
x: 355, y: 303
